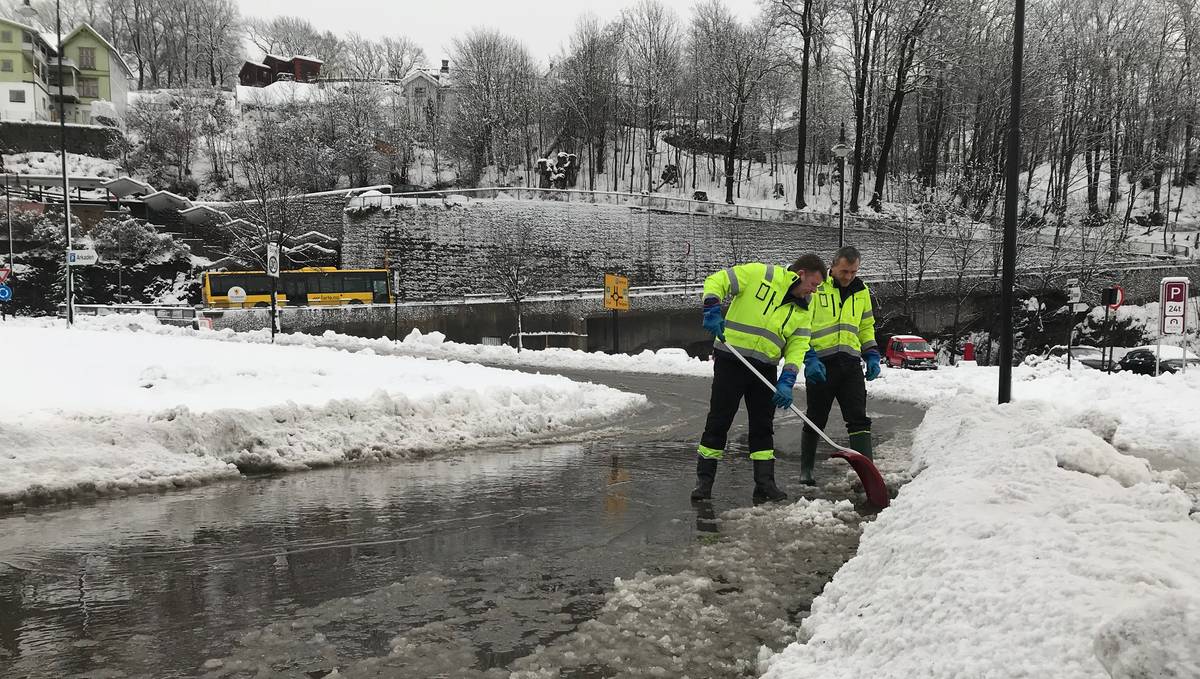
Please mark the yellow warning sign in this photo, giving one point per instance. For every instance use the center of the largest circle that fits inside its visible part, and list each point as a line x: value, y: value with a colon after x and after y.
x: 616, y: 292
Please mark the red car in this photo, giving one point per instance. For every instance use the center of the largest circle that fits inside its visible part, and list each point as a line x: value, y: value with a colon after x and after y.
x: 909, y: 351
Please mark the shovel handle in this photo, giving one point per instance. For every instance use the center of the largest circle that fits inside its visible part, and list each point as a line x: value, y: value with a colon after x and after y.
x: 793, y: 407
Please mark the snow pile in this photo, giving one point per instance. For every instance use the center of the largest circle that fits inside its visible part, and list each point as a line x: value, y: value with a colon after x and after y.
x: 1146, y: 415
x: 41, y: 162
x: 432, y: 345
x: 996, y: 561
x: 86, y: 411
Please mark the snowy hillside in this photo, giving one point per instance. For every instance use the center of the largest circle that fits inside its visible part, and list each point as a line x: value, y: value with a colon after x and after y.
x: 40, y: 162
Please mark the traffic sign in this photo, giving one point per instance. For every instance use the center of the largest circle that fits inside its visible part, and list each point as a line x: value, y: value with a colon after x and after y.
x: 273, y: 260
x: 5, y: 272
x: 5, y: 293
x: 1114, y: 297
x: 237, y: 294
x: 1172, y: 316
x: 1074, y: 292
x: 82, y: 257
x: 616, y: 292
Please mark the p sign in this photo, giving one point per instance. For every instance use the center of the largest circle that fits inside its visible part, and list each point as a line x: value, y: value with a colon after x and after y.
x: 1173, y: 306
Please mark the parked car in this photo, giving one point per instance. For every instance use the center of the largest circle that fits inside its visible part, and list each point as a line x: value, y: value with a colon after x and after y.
x: 909, y: 351
x: 1086, y: 355
x: 1141, y: 360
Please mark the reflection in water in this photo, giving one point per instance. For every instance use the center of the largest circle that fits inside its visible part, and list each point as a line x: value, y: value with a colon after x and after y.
x: 151, y: 585
x: 448, y: 567
x: 706, y: 517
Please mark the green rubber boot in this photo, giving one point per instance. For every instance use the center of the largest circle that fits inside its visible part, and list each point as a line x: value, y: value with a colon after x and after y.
x: 808, y: 456
x: 861, y: 441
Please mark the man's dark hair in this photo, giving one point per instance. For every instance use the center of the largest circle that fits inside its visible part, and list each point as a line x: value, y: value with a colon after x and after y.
x: 808, y: 262
x: 848, y: 253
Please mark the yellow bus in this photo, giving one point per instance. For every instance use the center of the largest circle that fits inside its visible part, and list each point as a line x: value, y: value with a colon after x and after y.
x: 302, y: 287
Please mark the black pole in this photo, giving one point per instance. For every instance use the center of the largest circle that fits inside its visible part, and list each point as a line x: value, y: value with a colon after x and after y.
x: 274, y: 287
x: 842, y: 190
x: 1109, y: 343
x: 1012, y: 183
x: 62, y: 130
x: 12, y: 264
x: 616, y: 344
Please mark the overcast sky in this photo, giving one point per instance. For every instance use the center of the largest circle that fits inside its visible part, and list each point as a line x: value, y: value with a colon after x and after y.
x: 541, y: 24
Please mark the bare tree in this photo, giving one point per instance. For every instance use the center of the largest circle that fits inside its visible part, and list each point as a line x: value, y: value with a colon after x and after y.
x: 583, y: 85
x: 515, y: 265
x: 402, y: 54
x: 742, y: 57
x: 652, y: 62
x: 492, y: 90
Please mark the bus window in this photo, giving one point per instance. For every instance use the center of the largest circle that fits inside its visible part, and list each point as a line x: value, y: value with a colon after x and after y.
x: 296, y: 289
x: 330, y: 283
x: 220, y: 283
x: 380, y: 293
x: 354, y: 282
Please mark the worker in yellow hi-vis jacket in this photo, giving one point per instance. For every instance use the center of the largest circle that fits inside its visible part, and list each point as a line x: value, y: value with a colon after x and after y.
x: 843, y: 338
x: 768, y: 319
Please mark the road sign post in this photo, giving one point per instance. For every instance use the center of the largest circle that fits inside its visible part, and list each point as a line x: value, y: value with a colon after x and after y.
x: 1172, y: 313
x: 1112, y: 299
x: 273, y: 272
x: 1074, y: 295
x: 395, y: 305
x: 616, y: 298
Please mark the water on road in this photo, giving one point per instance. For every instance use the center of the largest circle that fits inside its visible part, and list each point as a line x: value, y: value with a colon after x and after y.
x: 498, y: 562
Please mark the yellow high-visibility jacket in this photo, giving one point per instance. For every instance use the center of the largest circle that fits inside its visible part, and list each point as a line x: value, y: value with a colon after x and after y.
x: 763, y: 322
x: 842, y: 327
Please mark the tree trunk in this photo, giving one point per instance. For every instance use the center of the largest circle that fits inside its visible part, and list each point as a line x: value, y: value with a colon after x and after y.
x: 860, y: 102
x: 735, y: 133
x: 802, y: 125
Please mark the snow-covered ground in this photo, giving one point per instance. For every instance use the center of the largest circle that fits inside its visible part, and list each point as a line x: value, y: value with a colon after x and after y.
x: 1028, y: 544
x: 86, y: 411
x: 40, y: 162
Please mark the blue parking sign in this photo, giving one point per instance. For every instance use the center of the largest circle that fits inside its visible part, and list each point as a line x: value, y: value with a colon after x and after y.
x: 5, y: 293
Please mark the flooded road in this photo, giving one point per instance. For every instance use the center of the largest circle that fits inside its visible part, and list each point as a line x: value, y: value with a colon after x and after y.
x: 497, y: 562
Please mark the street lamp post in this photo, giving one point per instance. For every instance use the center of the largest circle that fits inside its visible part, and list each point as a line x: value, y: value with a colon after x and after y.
x: 841, y: 151
x: 1012, y: 182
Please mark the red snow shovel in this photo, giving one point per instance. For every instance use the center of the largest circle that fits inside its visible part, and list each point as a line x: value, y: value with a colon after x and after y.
x: 877, y: 492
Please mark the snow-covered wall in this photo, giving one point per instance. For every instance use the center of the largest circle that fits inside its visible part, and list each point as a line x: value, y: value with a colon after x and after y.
x: 444, y: 244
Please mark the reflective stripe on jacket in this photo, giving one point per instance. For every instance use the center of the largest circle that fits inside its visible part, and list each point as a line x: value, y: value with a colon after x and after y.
x: 763, y: 321
x: 842, y: 327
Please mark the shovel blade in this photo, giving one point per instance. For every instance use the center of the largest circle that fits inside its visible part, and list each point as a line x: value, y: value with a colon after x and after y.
x: 872, y: 480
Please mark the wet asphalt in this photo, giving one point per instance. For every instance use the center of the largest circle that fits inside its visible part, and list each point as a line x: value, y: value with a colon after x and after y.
x: 494, y: 552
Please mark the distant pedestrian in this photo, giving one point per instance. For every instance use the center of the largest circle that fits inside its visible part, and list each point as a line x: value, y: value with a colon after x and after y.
x: 768, y: 319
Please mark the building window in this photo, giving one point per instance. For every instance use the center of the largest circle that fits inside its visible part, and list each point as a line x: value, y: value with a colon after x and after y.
x: 16, y: 96
x: 5, y: 36
x: 6, y: 65
x: 89, y: 87
x: 87, y: 57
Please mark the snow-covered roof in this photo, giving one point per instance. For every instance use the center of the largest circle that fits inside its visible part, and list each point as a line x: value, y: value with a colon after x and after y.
x: 255, y: 64
x: 275, y: 57
x: 165, y: 200
x: 308, y: 58
x: 201, y: 215
x: 278, y: 93
x: 125, y: 186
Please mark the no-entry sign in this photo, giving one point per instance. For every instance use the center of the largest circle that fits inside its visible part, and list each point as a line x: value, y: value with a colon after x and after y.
x: 1173, y: 295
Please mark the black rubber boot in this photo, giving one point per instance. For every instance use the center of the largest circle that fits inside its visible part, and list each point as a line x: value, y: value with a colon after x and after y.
x: 808, y: 456
x: 706, y: 473
x: 861, y: 442
x: 765, y: 489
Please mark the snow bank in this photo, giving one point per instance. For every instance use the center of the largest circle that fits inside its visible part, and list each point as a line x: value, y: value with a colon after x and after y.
x: 996, y: 561
x: 1142, y: 415
x: 87, y: 411
x: 42, y: 162
x: 432, y: 345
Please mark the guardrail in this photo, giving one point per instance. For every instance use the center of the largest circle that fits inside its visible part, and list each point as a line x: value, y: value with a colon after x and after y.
x: 641, y: 201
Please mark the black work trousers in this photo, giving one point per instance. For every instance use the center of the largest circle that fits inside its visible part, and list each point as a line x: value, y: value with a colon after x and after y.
x: 844, y: 383
x: 732, y: 383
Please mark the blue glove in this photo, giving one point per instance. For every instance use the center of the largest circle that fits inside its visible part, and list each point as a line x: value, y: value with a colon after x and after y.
x: 714, y: 322
x: 783, y: 389
x: 872, y: 365
x: 814, y: 369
